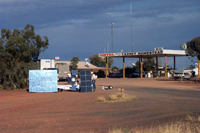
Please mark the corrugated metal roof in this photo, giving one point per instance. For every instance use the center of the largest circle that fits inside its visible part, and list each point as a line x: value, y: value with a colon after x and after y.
x: 82, y: 65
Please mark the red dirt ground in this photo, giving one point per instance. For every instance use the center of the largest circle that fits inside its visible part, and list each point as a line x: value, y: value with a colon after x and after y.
x: 72, y: 112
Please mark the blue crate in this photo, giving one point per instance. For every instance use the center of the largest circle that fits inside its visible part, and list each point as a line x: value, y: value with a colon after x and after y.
x: 43, y: 81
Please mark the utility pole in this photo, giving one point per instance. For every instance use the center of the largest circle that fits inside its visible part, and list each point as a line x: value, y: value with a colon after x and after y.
x: 107, y: 47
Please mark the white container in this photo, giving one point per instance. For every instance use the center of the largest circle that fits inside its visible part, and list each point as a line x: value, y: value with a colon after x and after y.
x: 148, y: 75
x: 47, y: 63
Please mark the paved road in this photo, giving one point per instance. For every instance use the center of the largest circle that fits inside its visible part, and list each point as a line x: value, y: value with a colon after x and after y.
x: 158, y: 100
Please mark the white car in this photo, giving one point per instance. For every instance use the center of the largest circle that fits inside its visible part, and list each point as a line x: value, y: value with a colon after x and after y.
x: 187, y: 76
x: 178, y: 75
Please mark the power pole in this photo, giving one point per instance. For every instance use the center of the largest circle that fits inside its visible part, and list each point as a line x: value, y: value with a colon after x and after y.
x: 107, y: 47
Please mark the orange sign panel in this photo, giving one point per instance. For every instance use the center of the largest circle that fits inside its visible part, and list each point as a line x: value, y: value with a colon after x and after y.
x: 110, y: 54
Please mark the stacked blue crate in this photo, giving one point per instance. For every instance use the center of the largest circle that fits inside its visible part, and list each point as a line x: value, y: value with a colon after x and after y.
x: 74, y: 77
x: 86, y: 83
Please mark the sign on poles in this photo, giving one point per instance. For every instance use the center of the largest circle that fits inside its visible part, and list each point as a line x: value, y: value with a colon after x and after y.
x: 57, y: 58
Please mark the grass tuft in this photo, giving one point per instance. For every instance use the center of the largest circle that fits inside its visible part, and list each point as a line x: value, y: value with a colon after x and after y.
x: 101, y: 99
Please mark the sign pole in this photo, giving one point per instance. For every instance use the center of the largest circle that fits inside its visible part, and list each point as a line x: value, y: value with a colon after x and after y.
x: 121, y: 89
x: 123, y: 67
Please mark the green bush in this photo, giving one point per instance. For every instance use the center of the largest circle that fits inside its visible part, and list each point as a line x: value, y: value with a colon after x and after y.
x: 18, y: 49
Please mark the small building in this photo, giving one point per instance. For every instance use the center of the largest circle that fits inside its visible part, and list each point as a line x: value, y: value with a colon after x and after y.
x: 65, y: 66
x: 82, y: 65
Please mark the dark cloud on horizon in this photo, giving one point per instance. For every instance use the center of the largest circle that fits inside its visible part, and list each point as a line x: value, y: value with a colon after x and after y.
x: 79, y: 24
x: 43, y: 12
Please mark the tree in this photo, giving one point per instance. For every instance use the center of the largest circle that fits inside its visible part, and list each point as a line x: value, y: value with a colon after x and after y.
x: 109, y: 61
x: 147, y: 63
x: 137, y: 66
x: 115, y: 67
x: 74, y: 62
x: 160, y: 62
x: 191, y: 67
x: 97, y: 61
x: 193, y: 47
x: 18, y: 49
x: 100, y: 62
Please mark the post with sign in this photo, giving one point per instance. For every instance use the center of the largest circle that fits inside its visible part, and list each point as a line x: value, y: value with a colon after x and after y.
x: 121, y: 90
x: 57, y: 58
x: 183, y: 46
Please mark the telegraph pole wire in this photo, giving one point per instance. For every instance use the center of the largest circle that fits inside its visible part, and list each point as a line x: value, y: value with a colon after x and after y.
x: 131, y: 27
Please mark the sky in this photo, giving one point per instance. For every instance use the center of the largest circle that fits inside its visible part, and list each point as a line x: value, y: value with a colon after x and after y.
x: 82, y: 27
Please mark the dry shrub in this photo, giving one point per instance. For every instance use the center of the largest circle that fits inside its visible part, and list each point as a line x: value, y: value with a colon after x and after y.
x: 88, y: 132
x: 189, y: 125
x: 190, y: 118
x: 112, y: 98
x: 116, y: 98
x: 176, y: 127
x: 115, y: 130
x: 180, y: 127
x: 101, y: 99
x: 120, y: 95
x: 129, y: 97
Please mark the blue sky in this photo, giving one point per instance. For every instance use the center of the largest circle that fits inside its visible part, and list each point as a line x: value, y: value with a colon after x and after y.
x: 82, y: 27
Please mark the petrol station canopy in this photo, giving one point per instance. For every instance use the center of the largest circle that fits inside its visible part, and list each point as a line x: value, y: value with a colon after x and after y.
x: 146, y: 54
x: 158, y: 52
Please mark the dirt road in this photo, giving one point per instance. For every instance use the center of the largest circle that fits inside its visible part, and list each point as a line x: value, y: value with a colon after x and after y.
x: 72, y: 112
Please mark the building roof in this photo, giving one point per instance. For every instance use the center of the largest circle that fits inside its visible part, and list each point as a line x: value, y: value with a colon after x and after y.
x: 82, y: 65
